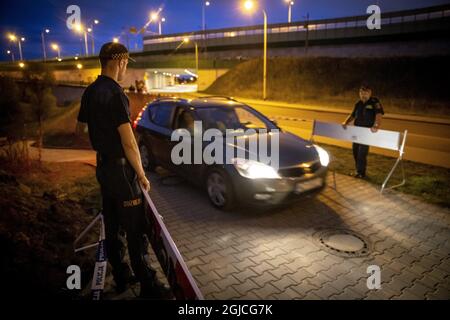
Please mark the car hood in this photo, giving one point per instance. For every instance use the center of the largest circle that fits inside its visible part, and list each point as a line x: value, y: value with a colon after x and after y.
x: 293, y: 150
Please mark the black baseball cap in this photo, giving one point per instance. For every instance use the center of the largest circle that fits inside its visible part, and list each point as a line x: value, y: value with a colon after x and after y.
x: 365, y: 86
x: 114, y: 51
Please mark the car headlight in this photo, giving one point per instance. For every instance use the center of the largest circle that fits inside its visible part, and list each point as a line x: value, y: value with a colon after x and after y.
x: 323, y: 156
x: 254, y: 170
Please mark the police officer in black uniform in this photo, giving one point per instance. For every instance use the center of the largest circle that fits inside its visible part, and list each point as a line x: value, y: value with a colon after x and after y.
x: 367, y: 113
x: 104, y: 107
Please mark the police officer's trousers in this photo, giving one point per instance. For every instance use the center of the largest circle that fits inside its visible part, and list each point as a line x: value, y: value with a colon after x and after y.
x: 360, y: 152
x: 123, y: 211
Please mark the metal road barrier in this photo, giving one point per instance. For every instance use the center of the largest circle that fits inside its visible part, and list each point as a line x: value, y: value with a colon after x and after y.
x: 177, y: 273
x: 391, y: 140
x: 175, y: 269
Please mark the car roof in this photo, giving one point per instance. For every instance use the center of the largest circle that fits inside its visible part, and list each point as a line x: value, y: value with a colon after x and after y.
x: 214, y: 102
x: 202, y: 102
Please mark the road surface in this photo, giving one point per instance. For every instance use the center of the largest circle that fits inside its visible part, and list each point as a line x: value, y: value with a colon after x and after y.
x: 428, y: 140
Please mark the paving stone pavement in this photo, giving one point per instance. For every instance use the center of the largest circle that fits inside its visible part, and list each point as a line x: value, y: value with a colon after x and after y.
x: 248, y: 254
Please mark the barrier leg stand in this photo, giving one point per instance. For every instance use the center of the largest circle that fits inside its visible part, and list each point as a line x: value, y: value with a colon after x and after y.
x: 98, y: 278
x: 383, y: 187
x: 399, y: 161
x: 334, y: 180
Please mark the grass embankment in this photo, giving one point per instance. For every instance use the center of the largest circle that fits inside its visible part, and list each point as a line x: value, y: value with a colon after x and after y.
x: 59, y: 130
x: 43, y: 208
x: 404, y: 85
x: 427, y: 182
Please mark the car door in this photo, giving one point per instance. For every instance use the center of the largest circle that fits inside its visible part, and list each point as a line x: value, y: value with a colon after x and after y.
x: 187, y: 170
x: 162, y: 119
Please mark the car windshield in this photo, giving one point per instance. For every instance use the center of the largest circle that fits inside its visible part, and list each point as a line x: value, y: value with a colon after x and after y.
x: 234, y: 118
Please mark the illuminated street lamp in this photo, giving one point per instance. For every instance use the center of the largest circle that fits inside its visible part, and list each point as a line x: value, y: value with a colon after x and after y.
x: 81, y: 29
x: 160, y: 24
x: 79, y: 66
x: 57, y: 49
x: 290, y: 4
x: 21, y: 64
x: 187, y: 40
x: 14, y: 38
x: 116, y: 40
x: 11, y: 54
x: 249, y: 6
x: 91, y: 31
x: 205, y: 4
x: 154, y: 16
x: 44, y: 51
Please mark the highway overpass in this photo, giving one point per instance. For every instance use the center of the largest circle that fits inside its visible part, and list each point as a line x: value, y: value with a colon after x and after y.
x: 411, y: 32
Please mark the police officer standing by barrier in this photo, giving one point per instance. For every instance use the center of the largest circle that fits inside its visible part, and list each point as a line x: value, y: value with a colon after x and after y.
x: 105, y: 109
x: 367, y: 113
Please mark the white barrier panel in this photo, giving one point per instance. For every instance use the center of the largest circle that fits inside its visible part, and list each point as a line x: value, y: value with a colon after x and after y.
x: 392, y: 140
x: 180, y: 279
x: 382, y: 138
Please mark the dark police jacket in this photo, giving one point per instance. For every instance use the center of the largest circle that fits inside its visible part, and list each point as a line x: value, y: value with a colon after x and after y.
x: 365, y: 113
x: 104, y: 107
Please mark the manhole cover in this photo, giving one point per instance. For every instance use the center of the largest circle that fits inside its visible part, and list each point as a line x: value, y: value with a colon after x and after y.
x: 344, y: 243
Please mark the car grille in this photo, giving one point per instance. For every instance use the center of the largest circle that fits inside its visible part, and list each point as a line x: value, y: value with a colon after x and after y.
x: 300, y: 170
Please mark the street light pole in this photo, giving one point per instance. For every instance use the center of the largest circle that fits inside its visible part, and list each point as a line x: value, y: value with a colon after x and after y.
x: 86, y: 43
x: 14, y: 38
x: 20, y: 49
x: 291, y: 3
x: 265, y: 57
x: 57, y: 48
x: 43, y: 43
x: 196, y: 59
x: 205, y: 4
x: 160, y: 25
x: 187, y: 40
x: 92, y: 36
x: 290, y: 13
x: 248, y: 6
x: 12, y: 55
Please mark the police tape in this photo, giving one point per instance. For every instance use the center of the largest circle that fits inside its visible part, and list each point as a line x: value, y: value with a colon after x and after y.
x: 101, y: 262
x: 292, y: 119
x: 175, y: 269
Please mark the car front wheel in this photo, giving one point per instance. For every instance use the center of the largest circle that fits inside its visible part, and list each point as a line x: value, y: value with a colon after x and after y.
x: 220, y: 190
x: 147, y: 160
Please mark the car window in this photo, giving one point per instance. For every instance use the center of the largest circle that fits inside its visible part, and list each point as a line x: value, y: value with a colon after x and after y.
x: 249, y: 120
x: 184, y: 119
x: 230, y: 118
x: 161, y: 114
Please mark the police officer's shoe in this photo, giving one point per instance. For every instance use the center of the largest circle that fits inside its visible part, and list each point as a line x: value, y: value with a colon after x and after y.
x: 123, y: 279
x: 156, y: 291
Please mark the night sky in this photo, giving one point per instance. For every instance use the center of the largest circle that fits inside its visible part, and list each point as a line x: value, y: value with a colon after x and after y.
x: 28, y: 18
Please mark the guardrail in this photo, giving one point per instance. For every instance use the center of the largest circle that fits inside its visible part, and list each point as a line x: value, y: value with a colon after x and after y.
x: 388, y: 18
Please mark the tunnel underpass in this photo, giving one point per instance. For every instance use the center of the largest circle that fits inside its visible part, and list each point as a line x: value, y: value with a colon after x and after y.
x: 171, y: 80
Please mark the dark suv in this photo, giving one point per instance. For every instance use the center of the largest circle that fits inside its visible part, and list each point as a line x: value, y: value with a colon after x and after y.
x: 302, y: 166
